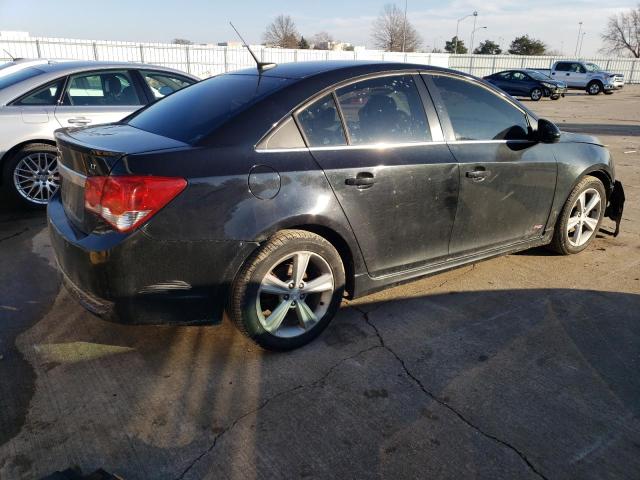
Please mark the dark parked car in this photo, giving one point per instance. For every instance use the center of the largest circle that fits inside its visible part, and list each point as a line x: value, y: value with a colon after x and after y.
x: 528, y: 83
x: 274, y: 193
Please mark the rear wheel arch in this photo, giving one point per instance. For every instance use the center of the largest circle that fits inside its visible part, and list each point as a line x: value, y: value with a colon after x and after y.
x: 349, y: 252
x: 16, y: 148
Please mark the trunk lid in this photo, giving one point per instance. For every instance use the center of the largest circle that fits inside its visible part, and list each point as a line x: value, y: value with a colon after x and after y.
x: 94, y: 151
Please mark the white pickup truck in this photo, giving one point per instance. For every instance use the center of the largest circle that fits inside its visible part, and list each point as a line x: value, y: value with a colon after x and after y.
x: 586, y: 76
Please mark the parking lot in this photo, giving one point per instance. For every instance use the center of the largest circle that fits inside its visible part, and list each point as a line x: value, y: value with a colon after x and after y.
x: 525, y: 366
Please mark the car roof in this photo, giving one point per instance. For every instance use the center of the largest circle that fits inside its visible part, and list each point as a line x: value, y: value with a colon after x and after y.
x: 300, y: 70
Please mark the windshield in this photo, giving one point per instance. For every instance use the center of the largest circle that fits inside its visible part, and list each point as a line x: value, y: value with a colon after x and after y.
x: 18, y: 76
x: 193, y: 112
x: 592, y: 67
x: 538, y: 76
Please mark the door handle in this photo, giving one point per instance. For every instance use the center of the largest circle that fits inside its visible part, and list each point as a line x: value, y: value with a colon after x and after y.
x: 478, y: 175
x: 567, y: 74
x: 362, y: 180
x: 79, y: 121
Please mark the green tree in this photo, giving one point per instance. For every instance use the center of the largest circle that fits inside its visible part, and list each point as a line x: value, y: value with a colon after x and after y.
x: 524, y: 45
x: 303, y: 44
x: 450, y: 46
x: 488, y: 48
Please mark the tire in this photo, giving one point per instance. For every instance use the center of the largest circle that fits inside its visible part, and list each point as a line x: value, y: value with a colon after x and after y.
x: 265, y: 284
x: 536, y: 94
x: 39, y: 160
x: 555, y: 97
x: 567, y: 241
x: 594, y: 88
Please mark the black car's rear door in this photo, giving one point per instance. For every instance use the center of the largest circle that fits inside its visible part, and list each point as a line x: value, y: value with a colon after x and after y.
x: 391, y: 171
x: 507, y: 181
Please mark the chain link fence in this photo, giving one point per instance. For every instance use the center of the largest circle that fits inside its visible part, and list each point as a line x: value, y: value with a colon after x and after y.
x: 207, y: 60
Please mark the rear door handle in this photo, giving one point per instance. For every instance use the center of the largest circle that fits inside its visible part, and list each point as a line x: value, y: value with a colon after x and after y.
x: 362, y: 180
x: 79, y: 120
x: 478, y: 175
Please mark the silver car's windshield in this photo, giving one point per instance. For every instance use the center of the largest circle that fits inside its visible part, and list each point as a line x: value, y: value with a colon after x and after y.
x: 592, y: 67
x: 18, y: 76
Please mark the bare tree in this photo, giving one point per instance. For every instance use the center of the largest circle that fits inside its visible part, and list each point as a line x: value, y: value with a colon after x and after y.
x: 181, y: 41
x: 392, y: 32
x: 321, y: 40
x: 282, y: 33
x: 623, y: 33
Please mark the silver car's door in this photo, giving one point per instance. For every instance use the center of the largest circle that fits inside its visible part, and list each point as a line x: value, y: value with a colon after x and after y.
x: 99, y: 97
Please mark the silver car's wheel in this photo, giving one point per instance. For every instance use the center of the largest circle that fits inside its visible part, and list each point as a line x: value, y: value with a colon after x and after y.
x: 295, y: 294
x: 36, y: 177
x: 584, y: 218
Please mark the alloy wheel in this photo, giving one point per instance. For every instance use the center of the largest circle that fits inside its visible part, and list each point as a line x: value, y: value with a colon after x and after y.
x: 36, y: 177
x: 584, y: 217
x: 295, y: 294
x: 594, y: 89
x: 536, y: 94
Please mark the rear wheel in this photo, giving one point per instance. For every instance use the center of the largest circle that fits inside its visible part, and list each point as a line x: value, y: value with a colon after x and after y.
x: 580, y: 218
x: 288, y: 291
x: 594, y: 88
x: 536, y: 94
x: 31, y: 174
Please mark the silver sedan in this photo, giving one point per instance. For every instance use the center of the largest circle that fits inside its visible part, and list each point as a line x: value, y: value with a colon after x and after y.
x: 38, y: 99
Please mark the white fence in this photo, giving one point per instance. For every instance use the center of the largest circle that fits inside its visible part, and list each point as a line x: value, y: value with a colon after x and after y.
x: 206, y: 60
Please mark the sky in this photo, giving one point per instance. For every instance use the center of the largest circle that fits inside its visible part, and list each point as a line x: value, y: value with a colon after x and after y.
x: 553, y: 21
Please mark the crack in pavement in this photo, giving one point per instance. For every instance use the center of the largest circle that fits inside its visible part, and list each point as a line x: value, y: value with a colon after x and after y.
x: 13, y: 235
x: 442, y: 402
x: 266, y: 402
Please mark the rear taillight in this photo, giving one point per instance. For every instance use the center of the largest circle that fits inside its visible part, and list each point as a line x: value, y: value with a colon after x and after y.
x: 128, y: 201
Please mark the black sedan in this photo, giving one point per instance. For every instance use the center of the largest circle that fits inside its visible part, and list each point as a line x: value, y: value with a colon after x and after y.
x: 528, y: 83
x: 275, y: 193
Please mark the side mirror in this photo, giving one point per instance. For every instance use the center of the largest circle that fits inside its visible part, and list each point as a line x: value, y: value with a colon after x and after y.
x: 548, y: 132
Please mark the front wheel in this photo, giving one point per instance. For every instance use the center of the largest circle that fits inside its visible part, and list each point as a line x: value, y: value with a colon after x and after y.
x: 536, y: 94
x: 580, y: 218
x: 288, y: 290
x: 594, y: 88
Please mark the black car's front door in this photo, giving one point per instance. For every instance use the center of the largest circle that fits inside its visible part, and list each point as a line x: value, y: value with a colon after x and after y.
x: 507, y: 181
x: 397, y: 186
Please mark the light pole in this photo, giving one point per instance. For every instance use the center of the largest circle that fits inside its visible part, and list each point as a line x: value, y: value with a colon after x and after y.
x: 475, y: 19
x: 455, y: 47
x: 473, y: 32
x: 404, y: 26
x: 581, y: 42
x: 578, y: 40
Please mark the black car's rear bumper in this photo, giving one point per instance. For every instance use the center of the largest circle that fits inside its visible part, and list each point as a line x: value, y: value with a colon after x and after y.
x: 139, y: 279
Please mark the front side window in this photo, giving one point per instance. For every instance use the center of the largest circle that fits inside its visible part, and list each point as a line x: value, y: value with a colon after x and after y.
x: 478, y: 114
x: 321, y: 123
x: 577, y: 68
x: 47, y: 95
x: 384, y: 110
x: 163, y: 84
x: 102, y: 89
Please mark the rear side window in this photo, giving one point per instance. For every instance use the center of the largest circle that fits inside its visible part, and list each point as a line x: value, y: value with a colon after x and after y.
x: 47, y: 95
x: 384, y: 110
x: 563, y: 67
x: 321, y: 124
x: 478, y: 114
x: 192, y: 113
x: 163, y: 84
x: 101, y: 89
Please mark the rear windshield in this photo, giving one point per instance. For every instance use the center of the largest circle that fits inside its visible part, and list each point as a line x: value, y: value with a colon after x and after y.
x: 18, y: 76
x: 190, y: 114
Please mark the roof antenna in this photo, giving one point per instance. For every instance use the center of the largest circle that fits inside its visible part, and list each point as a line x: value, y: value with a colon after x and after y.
x: 262, y: 66
x: 10, y: 56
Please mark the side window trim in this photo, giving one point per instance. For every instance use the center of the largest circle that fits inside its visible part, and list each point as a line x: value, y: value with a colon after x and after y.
x: 343, y: 121
x: 447, y: 126
x: 141, y: 86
